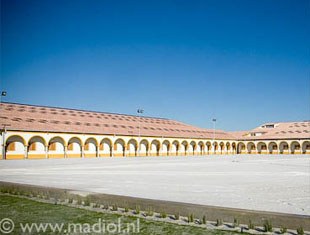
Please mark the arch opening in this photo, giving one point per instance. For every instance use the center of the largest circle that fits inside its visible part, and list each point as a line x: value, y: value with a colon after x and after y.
x: 283, y: 148
x: 261, y: 148
x: 105, y: 148
x: 184, y: 148
x: 192, y: 146
x: 273, y: 148
x: 295, y: 148
x: 234, y: 148
x: 119, y: 148
x: 90, y: 148
x: 74, y: 149
x: 56, y: 148
x: 215, y: 147
x: 15, y: 148
x: 201, y: 150
x: 228, y: 148
x: 222, y: 147
x: 241, y: 148
x: 37, y: 148
x: 175, y: 148
x: 144, y: 148
x: 251, y: 148
x: 155, y: 148
x: 166, y: 148
x: 306, y: 147
x: 132, y: 148
x: 209, y: 147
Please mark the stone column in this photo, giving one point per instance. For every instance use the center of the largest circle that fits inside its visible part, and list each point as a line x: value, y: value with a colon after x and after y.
x: 46, y: 151
x: 213, y: 148
x: 3, y: 152
x: 82, y: 152
x: 26, y: 151
x: 160, y: 150
x: 65, y: 151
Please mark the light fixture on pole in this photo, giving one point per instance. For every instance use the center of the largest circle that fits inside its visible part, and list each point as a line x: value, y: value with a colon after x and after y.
x: 139, y: 111
x: 3, y: 93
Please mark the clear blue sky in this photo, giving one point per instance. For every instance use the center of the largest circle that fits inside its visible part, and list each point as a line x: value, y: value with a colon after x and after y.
x: 243, y: 62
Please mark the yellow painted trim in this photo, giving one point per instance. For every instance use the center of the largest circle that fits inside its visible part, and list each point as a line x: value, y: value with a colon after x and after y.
x: 74, y: 155
x: 142, y: 155
x: 104, y: 155
x: 36, y: 156
x: 153, y: 155
x: 15, y: 156
x: 118, y: 155
x: 89, y: 155
x: 56, y: 156
x: 131, y: 155
x: 274, y: 152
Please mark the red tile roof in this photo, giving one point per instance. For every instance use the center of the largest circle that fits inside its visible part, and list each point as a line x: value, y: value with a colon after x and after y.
x: 51, y: 119
x: 278, y: 130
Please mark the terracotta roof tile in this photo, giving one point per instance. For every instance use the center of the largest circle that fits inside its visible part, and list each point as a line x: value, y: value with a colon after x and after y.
x: 280, y: 130
x: 50, y: 119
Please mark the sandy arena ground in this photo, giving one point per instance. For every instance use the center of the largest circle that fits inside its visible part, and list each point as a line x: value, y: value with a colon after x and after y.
x: 269, y: 183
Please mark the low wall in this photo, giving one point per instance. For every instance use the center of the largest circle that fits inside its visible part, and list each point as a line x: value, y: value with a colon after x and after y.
x: 212, y: 213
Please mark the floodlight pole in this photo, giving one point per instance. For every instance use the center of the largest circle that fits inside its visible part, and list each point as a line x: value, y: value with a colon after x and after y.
x: 3, y: 141
x: 3, y: 94
x: 139, y: 111
x: 214, y: 121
